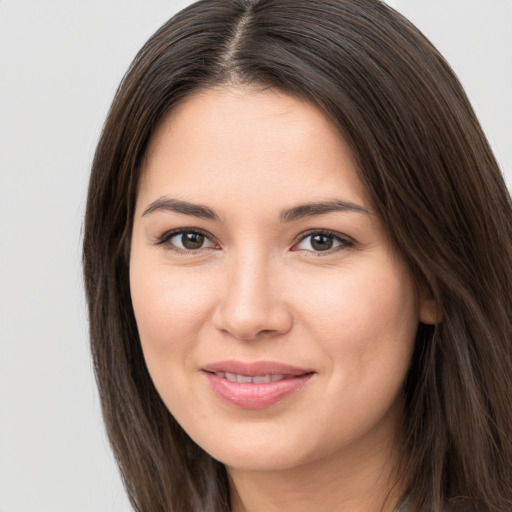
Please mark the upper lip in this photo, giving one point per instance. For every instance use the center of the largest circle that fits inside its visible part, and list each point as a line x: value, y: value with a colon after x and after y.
x: 256, y: 368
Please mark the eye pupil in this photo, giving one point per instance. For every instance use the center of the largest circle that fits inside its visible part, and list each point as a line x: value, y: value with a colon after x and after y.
x: 192, y: 240
x: 321, y: 242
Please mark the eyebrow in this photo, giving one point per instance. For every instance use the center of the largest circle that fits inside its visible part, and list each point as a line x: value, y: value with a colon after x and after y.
x: 174, y: 205
x: 288, y: 215
x: 320, y: 208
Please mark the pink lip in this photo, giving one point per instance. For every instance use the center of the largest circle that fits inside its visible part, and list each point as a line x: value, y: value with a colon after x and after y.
x: 255, y: 395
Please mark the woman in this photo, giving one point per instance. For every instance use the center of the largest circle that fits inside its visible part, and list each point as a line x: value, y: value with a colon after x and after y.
x: 297, y: 256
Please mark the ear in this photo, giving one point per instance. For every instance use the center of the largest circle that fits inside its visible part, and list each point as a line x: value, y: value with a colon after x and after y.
x: 430, y: 312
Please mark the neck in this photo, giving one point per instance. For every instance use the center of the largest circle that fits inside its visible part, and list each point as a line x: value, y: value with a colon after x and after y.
x: 362, y: 477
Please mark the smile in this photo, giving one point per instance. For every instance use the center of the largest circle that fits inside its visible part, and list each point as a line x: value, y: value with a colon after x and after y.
x: 257, y: 379
x: 255, y: 385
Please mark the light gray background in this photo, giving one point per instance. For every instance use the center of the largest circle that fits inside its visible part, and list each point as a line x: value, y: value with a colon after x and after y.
x: 60, y: 63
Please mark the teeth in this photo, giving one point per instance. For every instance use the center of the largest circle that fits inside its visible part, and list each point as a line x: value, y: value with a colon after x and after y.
x: 244, y: 379
x: 263, y: 379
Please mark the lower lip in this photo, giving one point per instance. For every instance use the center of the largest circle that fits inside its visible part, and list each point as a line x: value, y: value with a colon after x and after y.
x: 255, y: 395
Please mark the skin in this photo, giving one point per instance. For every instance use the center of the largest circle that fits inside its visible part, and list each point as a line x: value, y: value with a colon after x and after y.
x: 257, y: 289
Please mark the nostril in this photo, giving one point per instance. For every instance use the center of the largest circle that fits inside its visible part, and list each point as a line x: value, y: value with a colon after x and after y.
x: 265, y: 332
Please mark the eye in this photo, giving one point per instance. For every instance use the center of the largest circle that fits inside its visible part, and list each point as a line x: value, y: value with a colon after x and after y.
x: 322, y: 241
x: 186, y: 240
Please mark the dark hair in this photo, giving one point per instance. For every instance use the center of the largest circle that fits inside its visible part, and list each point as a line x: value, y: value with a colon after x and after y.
x: 433, y: 180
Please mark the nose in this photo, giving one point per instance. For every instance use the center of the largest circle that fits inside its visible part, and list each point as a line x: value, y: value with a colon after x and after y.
x: 251, y: 303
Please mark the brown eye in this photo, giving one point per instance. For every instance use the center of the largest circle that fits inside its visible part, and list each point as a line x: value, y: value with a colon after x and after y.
x: 187, y: 240
x: 322, y: 242
x: 192, y: 240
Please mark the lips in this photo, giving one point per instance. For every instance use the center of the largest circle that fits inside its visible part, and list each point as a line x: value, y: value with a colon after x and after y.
x: 255, y: 385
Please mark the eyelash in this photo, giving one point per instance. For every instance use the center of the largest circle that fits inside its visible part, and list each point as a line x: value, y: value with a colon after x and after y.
x: 344, y: 241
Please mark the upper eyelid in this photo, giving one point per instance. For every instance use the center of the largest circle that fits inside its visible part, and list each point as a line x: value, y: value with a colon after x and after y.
x: 327, y: 232
x: 167, y: 235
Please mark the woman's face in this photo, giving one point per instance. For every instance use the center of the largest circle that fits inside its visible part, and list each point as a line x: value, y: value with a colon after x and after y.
x: 276, y: 319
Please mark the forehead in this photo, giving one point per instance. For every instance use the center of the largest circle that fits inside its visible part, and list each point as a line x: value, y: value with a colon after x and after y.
x: 248, y: 141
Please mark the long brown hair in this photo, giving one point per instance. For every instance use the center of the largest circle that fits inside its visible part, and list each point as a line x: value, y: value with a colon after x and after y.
x: 434, y: 181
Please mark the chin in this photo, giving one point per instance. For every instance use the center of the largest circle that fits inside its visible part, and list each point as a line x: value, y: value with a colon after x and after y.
x: 254, y: 453
x: 247, y: 460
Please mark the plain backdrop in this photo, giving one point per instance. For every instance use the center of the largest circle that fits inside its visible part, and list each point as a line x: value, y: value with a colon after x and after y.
x: 60, y: 63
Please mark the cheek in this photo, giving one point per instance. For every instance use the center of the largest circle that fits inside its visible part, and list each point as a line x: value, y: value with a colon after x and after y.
x: 367, y: 320
x: 365, y: 325
x: 169, y: 308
